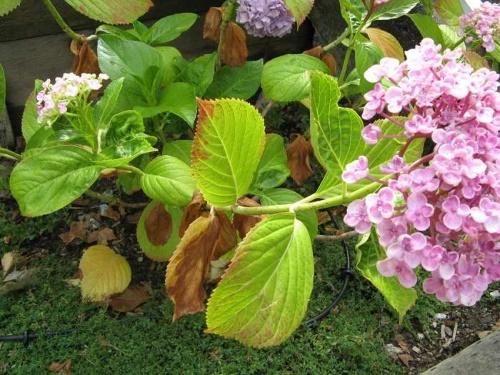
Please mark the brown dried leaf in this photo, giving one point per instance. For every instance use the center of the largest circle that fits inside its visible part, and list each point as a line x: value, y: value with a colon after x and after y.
x: 244, y: 223
x: 189, y: 264
x: 389, y: 45
x: 85, y: 60
x: 110, y: 213
x: 228, y: 237
x: 324, y: 56
x: 211, y: 27
x: 18, y: 280
x: 102, y: 236
x: 77, y: 229
x: 8, y: 262
x: 405, y: 359
x: 298, y: 153
x: 234, y: 51
x: 158, y: 225
x: 61, y: 367
x: 130, y: 299
x: 193, y: 211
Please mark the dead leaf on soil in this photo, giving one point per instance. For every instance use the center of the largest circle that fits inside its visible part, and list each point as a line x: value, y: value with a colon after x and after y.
x: 405, y: 359
x: 195, y: 209
x: 19, y: 280
x: 211, y: 27
x: 85, y: 60
x: 110, y: 213
x: 188, y: 266
x: 101, y: 236
x: 8, y: 262
x: 298, y: 153
x: 158, y: 225
x: 244, y: 223
x: 61, y: 367
x: 77, y: 229
x: 130, y: 299
x: 234, y: 51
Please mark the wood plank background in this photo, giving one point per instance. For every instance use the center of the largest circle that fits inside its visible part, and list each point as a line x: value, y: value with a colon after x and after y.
x: 33, y: 47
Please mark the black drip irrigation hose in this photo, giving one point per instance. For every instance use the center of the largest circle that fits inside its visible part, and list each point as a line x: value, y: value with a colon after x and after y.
x: 347, y: 273
x: 29, y: 336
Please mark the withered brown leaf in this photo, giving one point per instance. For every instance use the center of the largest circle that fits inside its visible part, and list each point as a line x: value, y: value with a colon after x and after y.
x: 77, y: 229
x: 324, y: 56
x: 211, y: 27
x: 244, y: 223
x: 130, y: 299
x: 85, y: 60
x: 195, y: 209
x: 158, y: 225
x: 101, y: 236
x: 189, y: 264
x: 227, y: 238
x: 63, y: 368
x: 298, y: 153
x: 233, y: 50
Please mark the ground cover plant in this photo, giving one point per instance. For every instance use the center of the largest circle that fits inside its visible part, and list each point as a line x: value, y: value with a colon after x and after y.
x: 419, y: 176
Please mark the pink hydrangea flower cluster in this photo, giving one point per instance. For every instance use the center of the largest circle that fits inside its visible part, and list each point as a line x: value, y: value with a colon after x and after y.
x: 441, y: 212
x: 482, y: 23
x: 55, y: 98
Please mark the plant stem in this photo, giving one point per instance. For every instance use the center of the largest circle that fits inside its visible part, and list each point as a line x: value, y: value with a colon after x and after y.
x: 458, y: 43
x: 10, y: 154
x: 299, y: 206
x: 345, y: 65
x: 337, y: 237
x: 132, y: 169
x: 60, y: 21
x: 337, y: 41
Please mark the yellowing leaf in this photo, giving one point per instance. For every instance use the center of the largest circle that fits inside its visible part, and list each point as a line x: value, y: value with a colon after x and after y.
x: 112, y: 11
x: 104, y: 273
x: 386, y: 42
x: 299, y: 9
x: 188, y: 266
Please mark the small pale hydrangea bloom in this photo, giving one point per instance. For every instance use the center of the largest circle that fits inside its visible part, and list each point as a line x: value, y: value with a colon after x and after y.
x: 482, y: 23
x: 263, y: 18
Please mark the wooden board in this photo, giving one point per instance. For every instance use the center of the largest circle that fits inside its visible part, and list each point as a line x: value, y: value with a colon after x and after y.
x: 32, y: 19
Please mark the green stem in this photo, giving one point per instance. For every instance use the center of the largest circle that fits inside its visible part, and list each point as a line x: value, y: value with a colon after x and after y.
x: 10, y: 154
x: 298, y: 206
x: 337, y: 41
x: 132, y: 169
x: 458, y: 43
x: 345, y: 65
x: 60, y: 21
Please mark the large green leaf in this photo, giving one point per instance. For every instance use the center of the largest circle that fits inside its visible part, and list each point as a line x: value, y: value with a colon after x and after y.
x: 377, y: 154
x: 3, y: 90
x: 353, y: 12
x: 178, y: 98
x: 47, y: 181
x: 368, y: 253
x: 393, y: 9
x: 181, y: 149
x: 168, y: 180
x: 264, y: 293
x: 367, y: 54
x: 127, y: 58
x: 285, y: 196
x: 299, y: 9
x: 227, y: 148
x: 200, y: 72
x: 29, y: 123
x: 428, y: 27
x: 171, y: 27
x: 112, y: 11
x: 240, y: 82
x: 449, y: 11
x: 273, y: 167
x: 286, y: 78
x: 7, y: 6
x: 335, y: 132
x: 106, y: 107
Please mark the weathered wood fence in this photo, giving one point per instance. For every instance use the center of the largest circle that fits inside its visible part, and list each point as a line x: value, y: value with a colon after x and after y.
x: 33, y: 46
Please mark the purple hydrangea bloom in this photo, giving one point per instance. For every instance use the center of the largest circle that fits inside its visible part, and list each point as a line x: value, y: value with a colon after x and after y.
x: 263, y: 18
